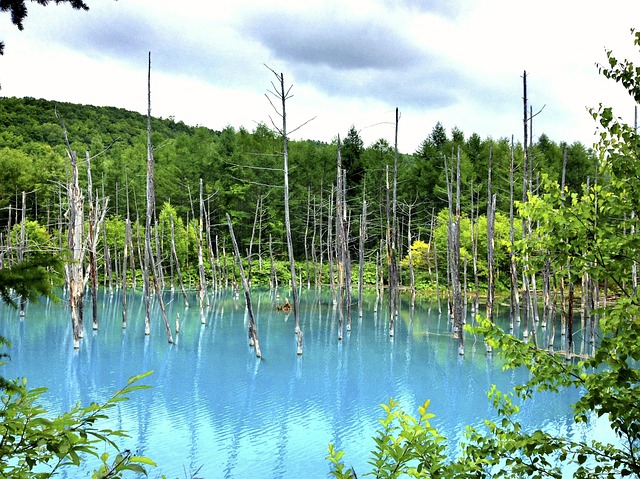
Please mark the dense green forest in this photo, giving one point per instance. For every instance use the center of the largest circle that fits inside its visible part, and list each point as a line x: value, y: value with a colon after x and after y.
x: 241, y: 173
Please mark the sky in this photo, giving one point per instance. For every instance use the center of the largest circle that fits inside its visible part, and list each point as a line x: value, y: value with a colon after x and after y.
x: 348, y: 63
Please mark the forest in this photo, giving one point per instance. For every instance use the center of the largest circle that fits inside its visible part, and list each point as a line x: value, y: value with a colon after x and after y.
x: 239, y: 172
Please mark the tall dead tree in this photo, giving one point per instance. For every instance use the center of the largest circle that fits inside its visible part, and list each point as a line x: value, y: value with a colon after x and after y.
x: 22, y: 246
x: 392, y: 220
x: 73, y: 268
x: 515, y: 294
x: 340, y: 242
x: 281, y: 95
x: 458, y: 312
x: 491, y: 204
x: 149, y: 259
x: 202, y: 287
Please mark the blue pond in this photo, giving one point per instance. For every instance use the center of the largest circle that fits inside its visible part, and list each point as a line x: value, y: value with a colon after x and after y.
x: 214, y: 407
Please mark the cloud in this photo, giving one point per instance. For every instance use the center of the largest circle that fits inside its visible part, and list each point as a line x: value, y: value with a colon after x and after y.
x: 335, y: 41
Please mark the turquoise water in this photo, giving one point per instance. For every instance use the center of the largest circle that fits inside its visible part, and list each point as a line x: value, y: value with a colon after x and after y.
x: 214, y: 407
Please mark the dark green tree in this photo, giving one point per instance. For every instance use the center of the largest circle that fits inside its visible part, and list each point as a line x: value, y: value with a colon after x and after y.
x: 352, y: 150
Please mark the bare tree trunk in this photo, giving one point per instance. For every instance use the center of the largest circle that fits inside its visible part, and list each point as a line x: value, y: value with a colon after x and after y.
x: 491, y: 202
x: 253, y: 331
x: 412, y: 275
x: 202, y: 289
x: 340, y: 242
x: 342, y: 249
x: 176, y: 260
x: 363, y: 233
x: 108, y: 270
x: 212, y: 259
x: 280, y: 94
x: 433, y: 252
x: 314, y: 235
x: 76, y: 247
x: 330, y: 256
x: 22, y: 247
x: 273, y: 278
x: 150, y: 267
x: 96, y: 218
x: 392, y: 237
x: 127, y: 242
x: 515, y: 296
x: 75, y: 243
x: 455, y: 272
x: 390, y: 264
x: 306, y: 235
x: 253, y: 235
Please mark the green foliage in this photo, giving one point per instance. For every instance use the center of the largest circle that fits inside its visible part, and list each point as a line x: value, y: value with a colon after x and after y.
x: 421, y: 255
x: 404, y: 446
x: 35, y: 277
x: 35, y: 445
x: 594, y: 231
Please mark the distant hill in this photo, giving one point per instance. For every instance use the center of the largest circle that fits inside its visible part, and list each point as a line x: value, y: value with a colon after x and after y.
x: 34, y: 120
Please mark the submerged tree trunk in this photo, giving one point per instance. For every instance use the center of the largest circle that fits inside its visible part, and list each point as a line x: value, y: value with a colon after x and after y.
x: 202, y: 287
x: 75, y: 243
x: 253, y: 331
x: 22, y: 246
x: 127, y: 242
x: 75, y: 275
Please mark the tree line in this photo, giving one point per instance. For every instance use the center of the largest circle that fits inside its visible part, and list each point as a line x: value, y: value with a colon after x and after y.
x: 240, y: 172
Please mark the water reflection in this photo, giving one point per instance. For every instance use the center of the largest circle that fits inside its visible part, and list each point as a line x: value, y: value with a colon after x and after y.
x: 214, y: 405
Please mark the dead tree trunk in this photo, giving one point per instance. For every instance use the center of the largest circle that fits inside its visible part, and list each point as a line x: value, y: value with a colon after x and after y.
x: 515, y: 295
x: 394, y: 280
x: 363, y: 238
x: 149, y: 260
x: 176, y: 260
x: 282, y: 95
x: 330, y: 256
x: 74, y: 272
x: 455, y: 271
x: 412, y: 275
x: 491, y: 202
x: 340, y: 242
x: 253, y: 332
x: 22, y: 247
x: 127, y: 242
x: 202, y: 289
x: 306, y: 236
x: 97, y: 214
